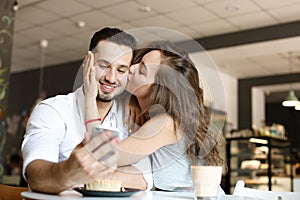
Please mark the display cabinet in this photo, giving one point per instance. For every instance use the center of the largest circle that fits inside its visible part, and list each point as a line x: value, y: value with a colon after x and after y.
x: 262, y: 162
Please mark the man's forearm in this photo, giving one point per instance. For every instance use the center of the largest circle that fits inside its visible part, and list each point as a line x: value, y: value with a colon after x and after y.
x: 44, y: 176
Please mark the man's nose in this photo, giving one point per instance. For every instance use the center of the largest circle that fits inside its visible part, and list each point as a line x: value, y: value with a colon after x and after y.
x: 111, y: 75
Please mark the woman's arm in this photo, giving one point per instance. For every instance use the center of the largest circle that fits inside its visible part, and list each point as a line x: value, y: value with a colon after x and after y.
x: 154, y: 134
x: 129, y: 176
x: 90, y: 92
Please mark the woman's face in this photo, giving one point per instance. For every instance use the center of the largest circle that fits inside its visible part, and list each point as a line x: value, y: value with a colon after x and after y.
x: 142, y: 74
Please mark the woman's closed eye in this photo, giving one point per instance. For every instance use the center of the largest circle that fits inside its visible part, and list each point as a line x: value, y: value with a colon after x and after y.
x: 142, y: 69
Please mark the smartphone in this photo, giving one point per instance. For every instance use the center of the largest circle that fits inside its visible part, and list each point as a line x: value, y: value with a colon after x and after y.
x: 98, y: 129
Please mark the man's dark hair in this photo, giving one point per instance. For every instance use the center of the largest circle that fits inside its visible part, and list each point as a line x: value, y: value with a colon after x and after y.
x: 114, y: 35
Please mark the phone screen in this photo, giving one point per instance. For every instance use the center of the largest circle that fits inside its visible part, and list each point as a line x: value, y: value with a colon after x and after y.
x: 98, y: 129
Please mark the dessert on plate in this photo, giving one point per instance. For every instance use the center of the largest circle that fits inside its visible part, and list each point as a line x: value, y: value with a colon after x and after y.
x: 104, y: 185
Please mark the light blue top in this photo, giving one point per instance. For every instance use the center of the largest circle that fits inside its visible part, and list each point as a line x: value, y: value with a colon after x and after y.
x: 172, y: 168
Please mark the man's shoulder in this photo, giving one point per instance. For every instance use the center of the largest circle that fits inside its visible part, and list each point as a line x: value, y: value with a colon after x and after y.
x: 59, y: 99
x: 61, y: 102
x: 63, y: 98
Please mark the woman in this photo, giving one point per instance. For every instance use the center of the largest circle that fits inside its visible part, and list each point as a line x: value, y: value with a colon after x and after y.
x: 168, y: 107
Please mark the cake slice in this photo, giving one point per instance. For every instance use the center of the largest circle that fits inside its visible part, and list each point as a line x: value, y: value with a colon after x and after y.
x: 104, y: 185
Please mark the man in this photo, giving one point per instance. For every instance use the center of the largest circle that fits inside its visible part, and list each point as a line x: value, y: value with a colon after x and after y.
x: 55, y: 158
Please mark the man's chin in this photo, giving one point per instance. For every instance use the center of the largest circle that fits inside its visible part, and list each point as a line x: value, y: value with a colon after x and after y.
x: 104, y: 99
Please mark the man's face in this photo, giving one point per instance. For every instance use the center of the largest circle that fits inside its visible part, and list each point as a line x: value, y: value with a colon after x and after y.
x: 112, y: 63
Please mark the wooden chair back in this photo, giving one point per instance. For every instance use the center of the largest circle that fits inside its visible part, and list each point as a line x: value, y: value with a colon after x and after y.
x: 11, y: 192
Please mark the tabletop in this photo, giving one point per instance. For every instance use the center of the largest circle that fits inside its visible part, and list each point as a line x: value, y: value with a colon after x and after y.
x: 142, y: 195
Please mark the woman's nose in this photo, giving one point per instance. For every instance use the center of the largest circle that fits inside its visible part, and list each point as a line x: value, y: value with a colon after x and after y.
x: 132, y: 68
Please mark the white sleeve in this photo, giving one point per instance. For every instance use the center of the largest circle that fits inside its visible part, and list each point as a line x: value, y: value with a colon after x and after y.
x: 43, y: 134
x: 144, y: 166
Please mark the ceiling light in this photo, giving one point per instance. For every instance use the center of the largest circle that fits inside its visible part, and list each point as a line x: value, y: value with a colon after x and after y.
x: 145, y: 9
x: 291, y: 100
x: 44, y: 43
x: 15, y: 6
x: 42, y: 94
x: 80, y: 24
x: 297, y: 107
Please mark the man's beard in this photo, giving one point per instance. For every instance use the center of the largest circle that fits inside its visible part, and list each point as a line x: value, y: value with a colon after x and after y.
x: 106, y: 97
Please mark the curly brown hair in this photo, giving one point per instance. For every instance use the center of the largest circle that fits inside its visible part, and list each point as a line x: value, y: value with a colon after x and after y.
x: 177, y: 92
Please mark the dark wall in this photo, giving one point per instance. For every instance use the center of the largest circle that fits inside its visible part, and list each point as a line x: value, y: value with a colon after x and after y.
x: 289, y: 117
x: 23, y: 92
x: 7, y: 16
x: 23, y: 89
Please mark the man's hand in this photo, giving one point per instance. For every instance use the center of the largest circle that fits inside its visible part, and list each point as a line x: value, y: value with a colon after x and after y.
x: 93, y: 160
x: 86, y: 163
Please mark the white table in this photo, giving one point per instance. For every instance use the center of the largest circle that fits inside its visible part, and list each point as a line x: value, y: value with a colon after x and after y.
x: 143, y: 195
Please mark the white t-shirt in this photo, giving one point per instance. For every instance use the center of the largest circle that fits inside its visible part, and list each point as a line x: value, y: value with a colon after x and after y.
x: 56, y: 126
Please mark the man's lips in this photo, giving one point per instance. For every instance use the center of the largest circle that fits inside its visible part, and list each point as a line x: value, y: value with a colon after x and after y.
x: 107, y: 88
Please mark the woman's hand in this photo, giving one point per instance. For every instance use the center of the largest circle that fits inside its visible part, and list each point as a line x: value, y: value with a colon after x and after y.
x: 89, y: 74
x: 90, y: 92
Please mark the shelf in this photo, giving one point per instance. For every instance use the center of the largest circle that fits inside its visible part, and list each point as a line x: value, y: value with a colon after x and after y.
x: 255, y: 182
x: 242, y: 154
x: 275, y: 142
x: 259, y: 137
x: 250, y: 170
x: 273, y: 155
x: 251, y: 156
